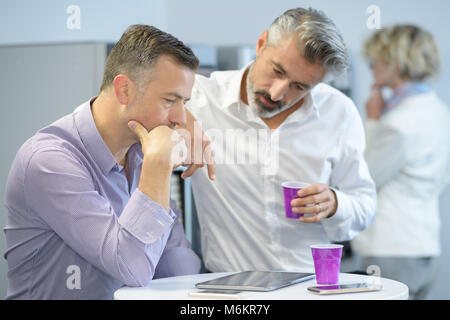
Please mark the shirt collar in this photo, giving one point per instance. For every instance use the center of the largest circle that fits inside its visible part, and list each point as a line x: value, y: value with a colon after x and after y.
x: 405, y: 91
x: 310, y: 100
x: 91, y: 138
x: 234, y: 88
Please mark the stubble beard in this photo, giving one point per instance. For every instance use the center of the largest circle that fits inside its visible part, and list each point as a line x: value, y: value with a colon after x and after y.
x: 258, y: 107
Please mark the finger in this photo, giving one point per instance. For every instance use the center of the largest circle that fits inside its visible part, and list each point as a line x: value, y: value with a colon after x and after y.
x: 315, y: 209
x: 197, y: 146
x: 313, y: 219
x: 179, y: 152
x: 211, y: 171
x: 186, y: 136
x: 138, y: 129
x: 316, y: 217
x: 190, y: 170
x: 312, y: 189
x: 314, y: 199
x: 210, y: 163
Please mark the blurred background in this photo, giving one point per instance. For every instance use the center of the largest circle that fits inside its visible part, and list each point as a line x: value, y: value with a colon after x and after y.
x: 52, y: 54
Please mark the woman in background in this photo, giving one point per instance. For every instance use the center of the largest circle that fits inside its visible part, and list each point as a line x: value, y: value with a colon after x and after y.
x: 408, y: 153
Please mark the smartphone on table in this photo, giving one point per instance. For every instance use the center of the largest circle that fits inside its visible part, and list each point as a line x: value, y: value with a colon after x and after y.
x: 345, y: 288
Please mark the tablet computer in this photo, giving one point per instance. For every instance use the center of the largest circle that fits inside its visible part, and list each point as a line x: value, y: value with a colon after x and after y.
x: 255, y: 280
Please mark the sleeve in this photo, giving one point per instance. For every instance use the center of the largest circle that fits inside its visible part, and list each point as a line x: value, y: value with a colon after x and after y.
x: 62, y: 192
x: 354, y: 188
x: 178, y: 258
x: 385, y: 153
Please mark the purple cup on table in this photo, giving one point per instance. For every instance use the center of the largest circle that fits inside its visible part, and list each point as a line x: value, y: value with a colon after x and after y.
x: 290, y: 190
x: 327, y: 262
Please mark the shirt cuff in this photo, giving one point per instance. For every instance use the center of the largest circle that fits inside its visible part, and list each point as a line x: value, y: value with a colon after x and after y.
x: 334, y: 224
x: 145, y: 219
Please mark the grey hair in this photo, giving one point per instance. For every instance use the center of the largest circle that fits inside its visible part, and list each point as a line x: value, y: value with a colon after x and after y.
x: 319, y: 39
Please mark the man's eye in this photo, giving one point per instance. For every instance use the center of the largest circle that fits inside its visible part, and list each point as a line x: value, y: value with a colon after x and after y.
x: 169, y: 101
x: 278, y: 72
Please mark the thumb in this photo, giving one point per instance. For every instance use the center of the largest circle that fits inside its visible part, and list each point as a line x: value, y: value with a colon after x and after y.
x: 138, y: 129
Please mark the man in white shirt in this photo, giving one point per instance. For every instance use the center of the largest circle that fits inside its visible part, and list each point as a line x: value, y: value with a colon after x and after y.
x: 271, y: 122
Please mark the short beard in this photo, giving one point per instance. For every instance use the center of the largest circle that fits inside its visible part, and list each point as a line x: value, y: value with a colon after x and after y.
x: 259, y: 108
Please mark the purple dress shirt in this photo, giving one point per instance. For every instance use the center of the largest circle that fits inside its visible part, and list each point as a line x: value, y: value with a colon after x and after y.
x: 77, y: 228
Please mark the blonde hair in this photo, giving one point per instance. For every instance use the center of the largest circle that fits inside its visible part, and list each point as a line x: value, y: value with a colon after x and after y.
x: 409, y: 49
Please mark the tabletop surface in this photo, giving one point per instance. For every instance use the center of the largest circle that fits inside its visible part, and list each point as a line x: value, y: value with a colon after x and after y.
x: 178, y: 288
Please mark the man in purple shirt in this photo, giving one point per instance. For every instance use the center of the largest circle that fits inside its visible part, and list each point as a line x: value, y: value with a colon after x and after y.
x: 88, y: 196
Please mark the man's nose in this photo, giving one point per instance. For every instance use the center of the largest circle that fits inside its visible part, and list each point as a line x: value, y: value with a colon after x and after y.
x: 279, y: 89
x: 177, y: 115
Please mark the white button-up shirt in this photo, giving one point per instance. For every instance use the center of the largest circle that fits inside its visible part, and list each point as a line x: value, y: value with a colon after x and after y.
x: 241, y: 214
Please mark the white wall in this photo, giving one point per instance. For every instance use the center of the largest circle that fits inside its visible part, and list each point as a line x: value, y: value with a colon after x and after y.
x: 30, y: 21
x: 230, y: 22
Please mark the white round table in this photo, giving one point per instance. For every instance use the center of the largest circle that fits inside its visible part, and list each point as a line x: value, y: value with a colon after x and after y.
x: 178, y: 288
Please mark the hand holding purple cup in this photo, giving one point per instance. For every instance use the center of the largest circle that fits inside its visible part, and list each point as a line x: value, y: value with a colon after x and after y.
x: 290, y: 190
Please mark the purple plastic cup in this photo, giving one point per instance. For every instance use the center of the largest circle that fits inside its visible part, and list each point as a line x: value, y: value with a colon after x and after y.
x: 327, y: 262
x: 290, y: 189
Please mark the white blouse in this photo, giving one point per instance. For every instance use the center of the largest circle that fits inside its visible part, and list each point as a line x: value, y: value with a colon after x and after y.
x: 408, y: 153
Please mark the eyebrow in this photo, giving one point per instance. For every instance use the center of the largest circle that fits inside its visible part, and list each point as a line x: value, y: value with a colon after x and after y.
x: 279, y: 66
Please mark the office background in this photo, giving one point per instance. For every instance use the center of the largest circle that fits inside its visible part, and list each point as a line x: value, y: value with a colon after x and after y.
x: 50, y: 64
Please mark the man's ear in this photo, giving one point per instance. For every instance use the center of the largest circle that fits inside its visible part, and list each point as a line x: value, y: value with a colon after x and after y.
x: 124, y: 89
x: 262, y: 42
